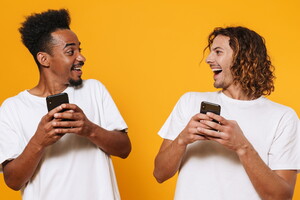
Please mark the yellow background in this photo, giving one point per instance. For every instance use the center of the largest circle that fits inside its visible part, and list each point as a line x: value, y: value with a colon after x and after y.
x: 148, y: 53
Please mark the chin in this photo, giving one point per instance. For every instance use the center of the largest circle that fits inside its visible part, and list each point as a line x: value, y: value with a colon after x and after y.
x: 75, y: 83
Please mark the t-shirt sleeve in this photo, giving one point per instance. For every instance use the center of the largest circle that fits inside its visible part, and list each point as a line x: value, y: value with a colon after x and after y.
x: 177, y: 120
x: 112, y: 118
x: 285, y: 150
x: 9, y: 139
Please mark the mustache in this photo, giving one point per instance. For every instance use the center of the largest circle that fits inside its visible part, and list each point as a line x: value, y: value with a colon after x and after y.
x: 79, y: 64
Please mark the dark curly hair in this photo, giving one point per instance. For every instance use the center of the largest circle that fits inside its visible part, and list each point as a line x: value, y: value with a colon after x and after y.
x: 251, y: 67
x: 37, y: 28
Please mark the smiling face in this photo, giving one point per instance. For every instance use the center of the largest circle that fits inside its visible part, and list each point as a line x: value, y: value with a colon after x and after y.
x: 220, y: 61
x: 65, y: 60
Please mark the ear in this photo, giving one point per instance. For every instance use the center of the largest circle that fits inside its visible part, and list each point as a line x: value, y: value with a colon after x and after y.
x: 43, y: 59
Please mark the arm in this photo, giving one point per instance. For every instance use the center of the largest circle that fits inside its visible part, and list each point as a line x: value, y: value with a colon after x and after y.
x: 115, y: 143
x: 269, y: 184
x: 169, y: 157
x: 278, y: 184
x: 18, y: 172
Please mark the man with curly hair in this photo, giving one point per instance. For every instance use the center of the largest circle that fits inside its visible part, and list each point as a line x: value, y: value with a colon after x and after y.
x: 64, y: 153
x: 253, y: 152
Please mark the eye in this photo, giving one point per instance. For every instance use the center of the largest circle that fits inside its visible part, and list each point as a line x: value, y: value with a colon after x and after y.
x: 70, y: 52
x: 218, y: 52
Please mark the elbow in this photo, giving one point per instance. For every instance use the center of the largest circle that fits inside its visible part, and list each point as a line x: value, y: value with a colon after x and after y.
x: 13, y: 182
x: 159, y: 180
x: 286, y: 195
x: 125, y: 154
x: 158, y: 177
x: 12, y: 185
x: 126, y: 151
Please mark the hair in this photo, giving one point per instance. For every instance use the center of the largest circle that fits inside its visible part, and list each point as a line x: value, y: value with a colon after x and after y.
x: 251, y: 67
x: 37, y: 28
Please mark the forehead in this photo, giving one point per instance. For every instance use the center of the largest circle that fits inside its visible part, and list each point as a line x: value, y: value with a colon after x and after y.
x: 64, y: 37
x: 221, y: 41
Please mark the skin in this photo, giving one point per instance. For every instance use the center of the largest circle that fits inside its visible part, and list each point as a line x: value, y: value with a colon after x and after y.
x: 55, y: 73
x: 270, y: 184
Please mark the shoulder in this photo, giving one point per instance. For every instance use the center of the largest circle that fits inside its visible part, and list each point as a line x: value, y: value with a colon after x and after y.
x: 277, y: 106
x: 14, y: 100
x: 92, y: 83
x: 281, y: 109
x: 198, y: 96
x: 13, y: 104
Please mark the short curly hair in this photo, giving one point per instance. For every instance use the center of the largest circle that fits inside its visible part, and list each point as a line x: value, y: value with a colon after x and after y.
x: 37, y: 28
x: 251, y: 67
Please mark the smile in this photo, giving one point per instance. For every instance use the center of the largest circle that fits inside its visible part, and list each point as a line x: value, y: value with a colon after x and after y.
x: 217, y: 70
x: 77, y: 67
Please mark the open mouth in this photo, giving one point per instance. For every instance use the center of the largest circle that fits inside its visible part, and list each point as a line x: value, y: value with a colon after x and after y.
x: 77, y: 67
x: 217, y: 71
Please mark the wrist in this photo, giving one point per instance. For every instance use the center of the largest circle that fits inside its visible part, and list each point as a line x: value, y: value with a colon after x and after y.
x: 245, y: 150
x: 93, y: 131
x: 180, y: 142
x: 35, y: 146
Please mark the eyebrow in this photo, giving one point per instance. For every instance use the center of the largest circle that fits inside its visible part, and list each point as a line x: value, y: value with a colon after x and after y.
x: 70, y: 44
x: 217, y: 48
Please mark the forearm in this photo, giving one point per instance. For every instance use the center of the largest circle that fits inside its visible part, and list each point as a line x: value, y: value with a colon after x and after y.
x: 114, y: 143
x: 267, y: 183
x: 168, y: 160
x: 19, y: 171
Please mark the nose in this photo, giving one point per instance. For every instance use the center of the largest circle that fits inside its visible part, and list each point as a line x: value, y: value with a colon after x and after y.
x: 80, y: 57
x: 209, y: 58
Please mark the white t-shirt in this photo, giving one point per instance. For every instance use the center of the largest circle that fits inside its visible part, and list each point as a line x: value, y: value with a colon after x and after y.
x: 211, y: 171
x: 72, y: 168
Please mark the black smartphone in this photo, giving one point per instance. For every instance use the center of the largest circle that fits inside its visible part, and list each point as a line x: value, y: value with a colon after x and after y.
x: 210, y: 107
x: 56, y: 100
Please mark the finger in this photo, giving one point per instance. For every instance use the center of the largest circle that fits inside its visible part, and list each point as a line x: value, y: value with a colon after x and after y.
x: 52, y: 135
x: 200, y: 116
x: 49, y: 116
x: 209, y: 132
x: 74, y: 107
x: 218, y: 118
x: 202, y: 124
x: 213, y: 125
x: 61, y: 131
x: 196, y: 135
x: 68, y: 115
x: 201, y: 137
x: 66, y: 124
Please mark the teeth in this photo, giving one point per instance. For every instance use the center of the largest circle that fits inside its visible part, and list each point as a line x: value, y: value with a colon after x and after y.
x: 216, y: 70
x: 77, y: 68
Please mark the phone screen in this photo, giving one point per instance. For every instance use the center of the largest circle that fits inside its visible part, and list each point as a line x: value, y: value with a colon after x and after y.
x: 56, y: 100
x: 210, y: 107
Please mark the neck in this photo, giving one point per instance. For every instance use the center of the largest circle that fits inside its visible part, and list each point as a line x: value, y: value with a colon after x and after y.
x: 237, y: 93
x: 46, y: 87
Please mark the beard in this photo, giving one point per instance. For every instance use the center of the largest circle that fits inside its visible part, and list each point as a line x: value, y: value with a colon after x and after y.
x: 75, y: 83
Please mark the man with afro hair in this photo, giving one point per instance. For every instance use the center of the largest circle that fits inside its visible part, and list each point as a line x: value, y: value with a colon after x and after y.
x: 63, y: 153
